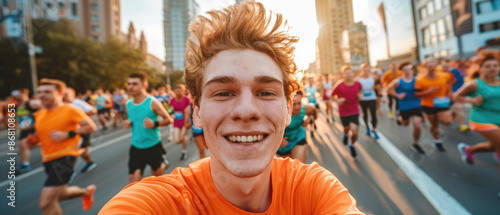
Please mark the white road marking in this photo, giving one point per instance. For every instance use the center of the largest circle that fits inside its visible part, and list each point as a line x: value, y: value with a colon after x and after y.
x: 443, y: 202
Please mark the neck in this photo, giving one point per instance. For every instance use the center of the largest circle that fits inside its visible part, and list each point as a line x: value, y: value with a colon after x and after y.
x: 490, y: 79
x: 140, y: 97
x: 431, y: 73
x: 54, y: 105
x: 252, y: 194
x: 407, y: 76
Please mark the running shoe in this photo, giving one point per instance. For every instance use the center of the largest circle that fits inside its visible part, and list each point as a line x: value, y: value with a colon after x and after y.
x: 24, y: 169
x: 346, y: 139
x: 464, y: 128
x: 417, y: 149
x: 368, y: 131
x: 183, y: 155
x: 390, y: 115
x: 439, y: 147
x: 88, y: 200
x: 375, y: 135
x: 88, y: 167
x: 464, y: 151
x: 353, y: 150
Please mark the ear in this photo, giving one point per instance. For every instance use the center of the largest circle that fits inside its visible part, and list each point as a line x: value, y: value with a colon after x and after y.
x: 289, y: 109
x: 196, y: 116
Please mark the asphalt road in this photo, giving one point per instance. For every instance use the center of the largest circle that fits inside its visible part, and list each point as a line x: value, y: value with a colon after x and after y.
x: 379, y: 182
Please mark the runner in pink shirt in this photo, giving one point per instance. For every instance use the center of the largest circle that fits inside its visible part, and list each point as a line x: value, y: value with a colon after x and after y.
x: 179, y: 103
x: 347, y: 93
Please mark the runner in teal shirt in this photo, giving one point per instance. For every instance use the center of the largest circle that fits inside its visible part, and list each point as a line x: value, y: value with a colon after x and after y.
x: 294, y: 140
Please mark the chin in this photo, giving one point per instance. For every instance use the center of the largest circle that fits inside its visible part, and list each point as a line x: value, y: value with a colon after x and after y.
x: 248, y: 168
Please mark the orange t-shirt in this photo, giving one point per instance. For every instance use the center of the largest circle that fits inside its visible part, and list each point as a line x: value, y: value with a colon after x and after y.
x: 297, y: 189
x: 64, y: 118
x: 388, y: 77
x: 443, y: 81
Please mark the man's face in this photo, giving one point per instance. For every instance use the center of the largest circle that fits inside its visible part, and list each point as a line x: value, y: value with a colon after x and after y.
x: 99, y: 92
x: 134, y: 86
x: 348, y: 74
x: 445, y: 66
x: 297, y: 104
x: 179, y: 92
x: 243, y: 96
x: 48, y: 94
x: 431, y: 65
x: 69, y: 96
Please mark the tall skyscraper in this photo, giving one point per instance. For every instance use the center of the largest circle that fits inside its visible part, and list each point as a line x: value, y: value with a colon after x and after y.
x: 334, y: 16
x: 177, y: 16
x: 355, y: 45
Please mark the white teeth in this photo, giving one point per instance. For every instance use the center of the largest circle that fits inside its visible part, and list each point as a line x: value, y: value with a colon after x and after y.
x: 246, y: 139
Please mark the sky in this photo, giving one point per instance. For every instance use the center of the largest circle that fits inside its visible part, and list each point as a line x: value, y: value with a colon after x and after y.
x: 301, y: 16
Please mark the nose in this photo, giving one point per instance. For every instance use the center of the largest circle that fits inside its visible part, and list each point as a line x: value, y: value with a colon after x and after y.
x: 246, y: 107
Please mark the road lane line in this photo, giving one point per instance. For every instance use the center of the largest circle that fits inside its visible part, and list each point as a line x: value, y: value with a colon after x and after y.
x: 40, y: 169
x: 442, y: 201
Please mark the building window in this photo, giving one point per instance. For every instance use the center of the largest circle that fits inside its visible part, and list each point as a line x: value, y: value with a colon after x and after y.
x: 74, y: 9
x: 95, y: 7
x: 436, y: 54
x: 423, y: 13
x: 488, y: 6
x: 441, y: 30
x: 96, y: 28
x: 96, y: 38
x: 443, y: 53
x: 489, y: 26
x: 427, y: 36
x: 449, y: 26
x: 95, y: 18
x: 430, y: 8
x: 433, y: 31
x: 438, y: 4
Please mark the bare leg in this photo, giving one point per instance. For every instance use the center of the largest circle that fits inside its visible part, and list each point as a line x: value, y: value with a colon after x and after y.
x: 445, y: 117
x: 160, y: 170
x: 24, y: 150
x: 200, y: 142
x: 417, y: 129
x: 354, y: 135
x: 49, y: 200
x: 299, y: 152
x: 183, y: 138
x: 434, y: 125
x: 86, y: 155
x: 71, y: 192
x: 137, y: 176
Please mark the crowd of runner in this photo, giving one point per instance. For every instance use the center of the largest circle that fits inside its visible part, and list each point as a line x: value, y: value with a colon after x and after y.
x: 434, y: 93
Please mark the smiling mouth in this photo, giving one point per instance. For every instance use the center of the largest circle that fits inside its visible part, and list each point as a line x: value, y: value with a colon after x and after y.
x: 246, y: 139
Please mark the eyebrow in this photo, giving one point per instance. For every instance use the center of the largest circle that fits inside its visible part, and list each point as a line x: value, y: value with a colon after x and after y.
x: 228, y: 79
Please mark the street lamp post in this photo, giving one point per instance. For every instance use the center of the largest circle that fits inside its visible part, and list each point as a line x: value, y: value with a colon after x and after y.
x: 30, y: 42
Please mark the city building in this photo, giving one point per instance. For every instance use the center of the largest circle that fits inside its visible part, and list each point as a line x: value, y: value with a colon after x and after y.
x: 354, y: 45
x: 141, y: 43
x: 438, y: 22
x: 94, y: 19
x: 333, y: 18
x: 177, y: 16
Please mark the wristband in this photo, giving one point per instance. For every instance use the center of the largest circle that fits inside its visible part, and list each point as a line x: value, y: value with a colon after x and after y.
x: 71, y: 134
x: 157, y: 124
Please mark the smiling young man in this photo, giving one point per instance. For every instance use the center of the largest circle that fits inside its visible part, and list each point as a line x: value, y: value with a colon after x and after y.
x: 241, y: 72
